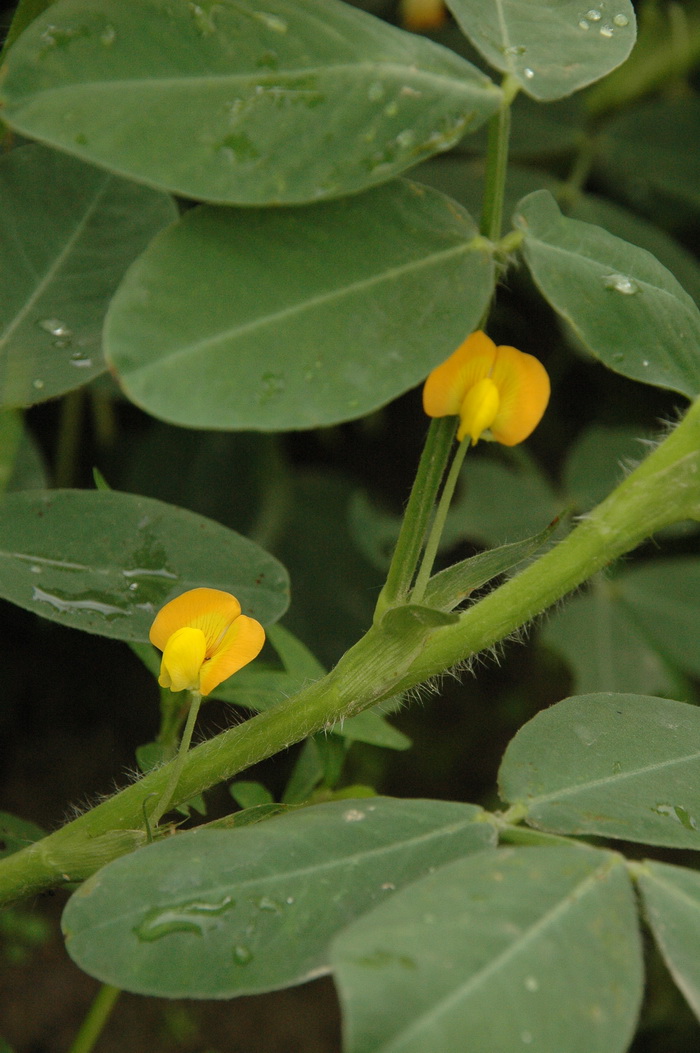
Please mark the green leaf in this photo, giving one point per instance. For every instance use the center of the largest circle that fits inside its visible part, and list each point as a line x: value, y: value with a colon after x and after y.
x: 625, y: 308
x: 551, y: 49
x: 11, y: 434
x: 339, y: 308
x: 452, y: 585
x: 249, y: 794
x: 17, y: 833
x: 502, y: 950
x: 671, y: 898
x: 212, y: 914
x: 616, y: 765
x: 605, y: 647
x: 68, y: 232
x: 104, y: 561
x: 596, y: 462
x: 233, y: 105
x: 500, y: 500
x: 663, y: 596
x: 649, y: 152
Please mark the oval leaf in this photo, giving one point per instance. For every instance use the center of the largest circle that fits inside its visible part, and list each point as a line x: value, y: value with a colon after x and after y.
x: 623, y: 766
x: 625, y: 307
x: 212, y: 914
x: 206, y: 99
x: 68, y: 232
x: 552, y: 49
x: 296, y: 318
x: 503, y: 950
x: 104, y: 561
x: 672, y: 905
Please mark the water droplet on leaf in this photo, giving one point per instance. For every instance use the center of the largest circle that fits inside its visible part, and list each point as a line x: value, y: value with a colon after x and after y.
x: 353, y: 815
x: 593, y: 15
x: 583, y: 24
x: 528, y: 73
x: 187, y: 917
x: 80, y: 360
x: 607, y: 30
x: 620, y: 283
x: 242, y: 955
x: 55, y: 326
x: 621, y: 20
x: 38, y: 384
x: 273, y: 22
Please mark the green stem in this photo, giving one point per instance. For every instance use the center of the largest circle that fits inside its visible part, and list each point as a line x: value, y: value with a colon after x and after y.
x: 69, y: 437
x: 497, y: 164
x: 664, y: 489
x: 98, y: 1015
x: 438, y: 526
x: 177, y: 765
x: 417, y: 516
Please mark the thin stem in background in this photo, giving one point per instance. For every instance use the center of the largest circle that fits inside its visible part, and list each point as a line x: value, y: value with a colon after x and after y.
x: 417, y: 516
x: 438, y: 526
x: 97, y: 1016
x: 169, y: 792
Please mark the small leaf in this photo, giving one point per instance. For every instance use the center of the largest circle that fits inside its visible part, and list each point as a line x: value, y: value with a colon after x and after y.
x: 233, y: 105
x: 249, y: 794
x: 671, y: 897
x: 505, y: 949
x: 551, y: 49
x: 104, y: 561
x: 390, y: 281
x: 452, y: 585
x: 616, y: 765
x: 663, y: 596
x: 16, y: 833
x: 623, y: 305
x: 68, y: 232
x: 216, y: 913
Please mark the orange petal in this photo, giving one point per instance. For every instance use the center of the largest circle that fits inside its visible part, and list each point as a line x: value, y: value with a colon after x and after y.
x: 240, y: 645
x: 479, y: 410
x: 182, y: 659
x: 447, y: 385
x: 523, y: 385
x: 210, y: 610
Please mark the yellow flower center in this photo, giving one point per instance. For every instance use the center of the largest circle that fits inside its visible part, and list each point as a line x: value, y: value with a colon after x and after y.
x: 182, y: 661
x: 478, y: 410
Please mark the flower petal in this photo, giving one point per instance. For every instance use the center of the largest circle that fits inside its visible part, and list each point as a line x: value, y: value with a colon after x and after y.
x: 479, y: 410
x: 240, y: 645
x: 182, y: 659
x: 523, y: 385
x: 210, y: 610
x: 447, y: 385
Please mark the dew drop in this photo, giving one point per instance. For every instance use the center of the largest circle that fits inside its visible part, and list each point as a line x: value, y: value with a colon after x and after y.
x: 391, y: 109
x: 134, y: 586
x: 38, y: 384
x: 526, y: 1038
x: 203, y: 21
x: 406, y: 138
x: 35, y: 569
x: 583, y: 24
x: 532, y: 983
x: 621, y: 20
x: 515, y: 49
x: 528, y: 73
x: 645, y: 362
x: 80, y: 361
x: 388, y: 886
x: 242, y: 955
x: 272, y: 386
x: 607, y: 30
x: 268, y: 904
x: 55, y: 326
x: 187, y: 917
x: 620, y: 283
x: 353, y: 815
x: 273, y: 22
x: 289, y: 900
x: 593, y: 15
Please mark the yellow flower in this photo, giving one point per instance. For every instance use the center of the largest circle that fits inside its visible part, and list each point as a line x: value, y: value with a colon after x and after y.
x: 499, y: 391
x: 204, y: 639
x: 422, y: 15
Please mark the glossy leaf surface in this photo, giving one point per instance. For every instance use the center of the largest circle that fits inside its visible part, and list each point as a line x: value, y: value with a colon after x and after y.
x: 296, y: 318
x: 671, y: 898
x: 512, y: 948
x: 68, y: 232
x: 211, y: 914
x: 616, y: 765
x: 104, y: 561
x: 551, y: 49
x: 624, y: 306
x: 205, y: 99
